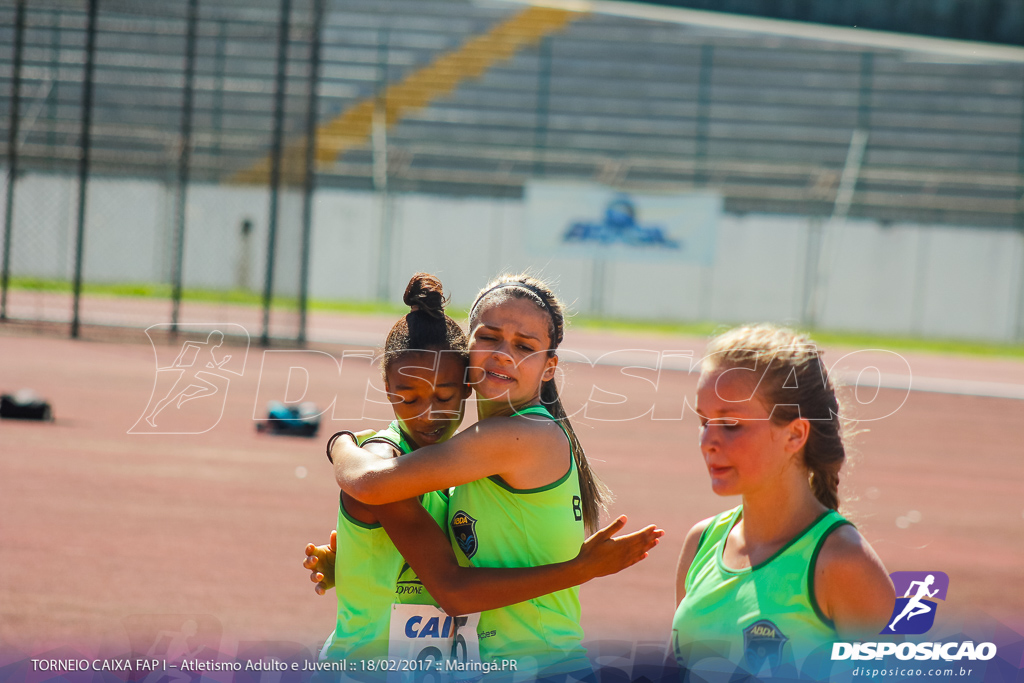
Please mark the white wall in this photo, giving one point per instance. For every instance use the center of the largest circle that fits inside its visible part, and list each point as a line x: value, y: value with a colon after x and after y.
x: 43, y: 231
x: 936, y: 281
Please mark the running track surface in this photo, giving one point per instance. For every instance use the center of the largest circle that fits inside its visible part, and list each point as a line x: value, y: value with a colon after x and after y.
x: 104, y: 530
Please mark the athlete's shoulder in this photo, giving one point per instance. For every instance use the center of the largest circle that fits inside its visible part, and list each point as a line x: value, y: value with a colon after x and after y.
x: 391, y: 435
x: 382, y: 448
x: 692, y: 542
x: 691, y: 545
x: 844, y: 550
x: 526, y: 428
x: 851, y: 584
x: 697, y: 532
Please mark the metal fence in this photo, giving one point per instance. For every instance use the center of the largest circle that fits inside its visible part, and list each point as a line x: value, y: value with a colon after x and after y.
x: 172, y: 96
x: 124, y: 121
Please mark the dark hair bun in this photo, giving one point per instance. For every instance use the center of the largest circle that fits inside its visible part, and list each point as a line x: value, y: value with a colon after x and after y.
x: 426, y: 294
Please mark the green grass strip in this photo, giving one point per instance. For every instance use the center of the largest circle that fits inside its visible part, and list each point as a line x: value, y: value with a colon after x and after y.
x: 702, y: 330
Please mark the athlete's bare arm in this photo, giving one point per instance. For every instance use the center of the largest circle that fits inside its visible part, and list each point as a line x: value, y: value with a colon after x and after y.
x: 690, y: 547
x: 320, y: 558
x: 851, y: 585
x: 463, y: 590
x: 525, y: 453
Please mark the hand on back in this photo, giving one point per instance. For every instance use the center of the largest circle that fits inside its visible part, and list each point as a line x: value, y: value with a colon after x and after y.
x: 320, y: 561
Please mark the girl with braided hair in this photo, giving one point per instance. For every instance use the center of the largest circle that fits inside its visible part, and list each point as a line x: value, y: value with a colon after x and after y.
x: 396, y: 530
x: 767, y: 584
x: 524, y: 493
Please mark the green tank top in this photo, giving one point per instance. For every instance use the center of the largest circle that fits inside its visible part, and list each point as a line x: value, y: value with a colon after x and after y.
x: 764, y: 620
x: 495, y: 525
x: 371, y: 574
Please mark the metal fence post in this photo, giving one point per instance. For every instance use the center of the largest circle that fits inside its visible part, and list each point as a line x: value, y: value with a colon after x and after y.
x: 83, y: 161
x: 707, y: 59
x: 1020, y: 167
x: 218, y: 89
x: 12, y: 152
x: 275, y: 163
x: 1020, y: 218
x: 183, y: 162
x: 867, y: 73
x: 700, y: 168
x: 309, y: 184
x: 540, y: 131
x: 823, y: 232
x: 379, y: 145
x: 54, y: 75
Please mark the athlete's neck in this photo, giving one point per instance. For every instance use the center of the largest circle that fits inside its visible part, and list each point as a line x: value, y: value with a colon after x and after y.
x: 774, y: 517
x: 502, y: 408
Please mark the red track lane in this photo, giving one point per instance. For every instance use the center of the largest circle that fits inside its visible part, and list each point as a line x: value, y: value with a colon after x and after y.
x: 101, y: 526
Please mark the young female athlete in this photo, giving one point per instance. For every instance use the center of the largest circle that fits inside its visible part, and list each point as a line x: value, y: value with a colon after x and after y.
x: 424, y: 366
x: 766, y: 584
x: 524, y: 490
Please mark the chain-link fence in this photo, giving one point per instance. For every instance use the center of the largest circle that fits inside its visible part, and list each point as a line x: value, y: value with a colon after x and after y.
x: 230, y: 158
x: 127, y: 122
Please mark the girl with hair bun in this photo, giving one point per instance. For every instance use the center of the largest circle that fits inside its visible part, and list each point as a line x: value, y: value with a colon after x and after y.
x: 392, y: 547
x: 767, y: 584
x: 524, y: 493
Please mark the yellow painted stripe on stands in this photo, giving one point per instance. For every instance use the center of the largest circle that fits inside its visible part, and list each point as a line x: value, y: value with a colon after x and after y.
x: 352, y: 128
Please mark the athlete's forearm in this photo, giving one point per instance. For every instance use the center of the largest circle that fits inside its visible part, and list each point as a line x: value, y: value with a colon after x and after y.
x: 470, y: 589
x: 358, y: 471
x: 464, y: 590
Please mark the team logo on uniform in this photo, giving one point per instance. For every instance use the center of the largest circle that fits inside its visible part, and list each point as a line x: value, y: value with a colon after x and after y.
x: 915, y: 610
x: 408, y: 583
x: 464, y: 529
x: 763, y: 642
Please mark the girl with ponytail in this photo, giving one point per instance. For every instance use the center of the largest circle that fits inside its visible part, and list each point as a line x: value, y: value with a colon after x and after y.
x: 526, y: 515
x: 524, y: 493
x: 783, y: 575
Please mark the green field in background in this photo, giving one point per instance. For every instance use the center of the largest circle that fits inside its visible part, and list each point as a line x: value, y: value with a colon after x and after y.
x: 702, y: 330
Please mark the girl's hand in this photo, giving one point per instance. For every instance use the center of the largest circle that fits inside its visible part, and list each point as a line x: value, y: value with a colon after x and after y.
x: 320, y: 560
x: 603, y: 554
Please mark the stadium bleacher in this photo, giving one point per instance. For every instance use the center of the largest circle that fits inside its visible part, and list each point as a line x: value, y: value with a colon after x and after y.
x: 765, y: 119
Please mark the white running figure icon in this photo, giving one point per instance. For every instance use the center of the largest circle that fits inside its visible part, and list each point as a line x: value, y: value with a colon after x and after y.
x: 173, y: 646
x: 915, y: 607
x: 194, y: 385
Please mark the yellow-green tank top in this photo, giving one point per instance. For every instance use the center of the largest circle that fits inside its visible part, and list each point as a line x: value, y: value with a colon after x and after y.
x: 763, y: 620
x: 371, y: 575
x: 492, y: 524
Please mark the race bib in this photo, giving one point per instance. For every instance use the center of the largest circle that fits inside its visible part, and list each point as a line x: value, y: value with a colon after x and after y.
x: 425, y: 644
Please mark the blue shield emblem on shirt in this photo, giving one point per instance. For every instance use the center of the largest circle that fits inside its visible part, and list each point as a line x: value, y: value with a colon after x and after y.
x: 763, y: 641
x: 464, y: 532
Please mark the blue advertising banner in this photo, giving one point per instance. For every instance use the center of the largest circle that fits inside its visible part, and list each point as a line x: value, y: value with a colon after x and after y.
x: 594, y: 221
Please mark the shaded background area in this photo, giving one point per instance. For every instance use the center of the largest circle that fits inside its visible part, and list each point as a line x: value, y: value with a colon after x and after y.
x: 998, y: 21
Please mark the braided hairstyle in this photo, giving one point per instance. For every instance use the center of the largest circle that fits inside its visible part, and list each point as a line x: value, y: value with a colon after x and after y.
x: 425, y: 327
x: 794, y: 383
x: 593, y: 493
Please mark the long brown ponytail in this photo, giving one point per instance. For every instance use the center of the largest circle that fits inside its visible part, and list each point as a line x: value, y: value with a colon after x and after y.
x: 593, y: 492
